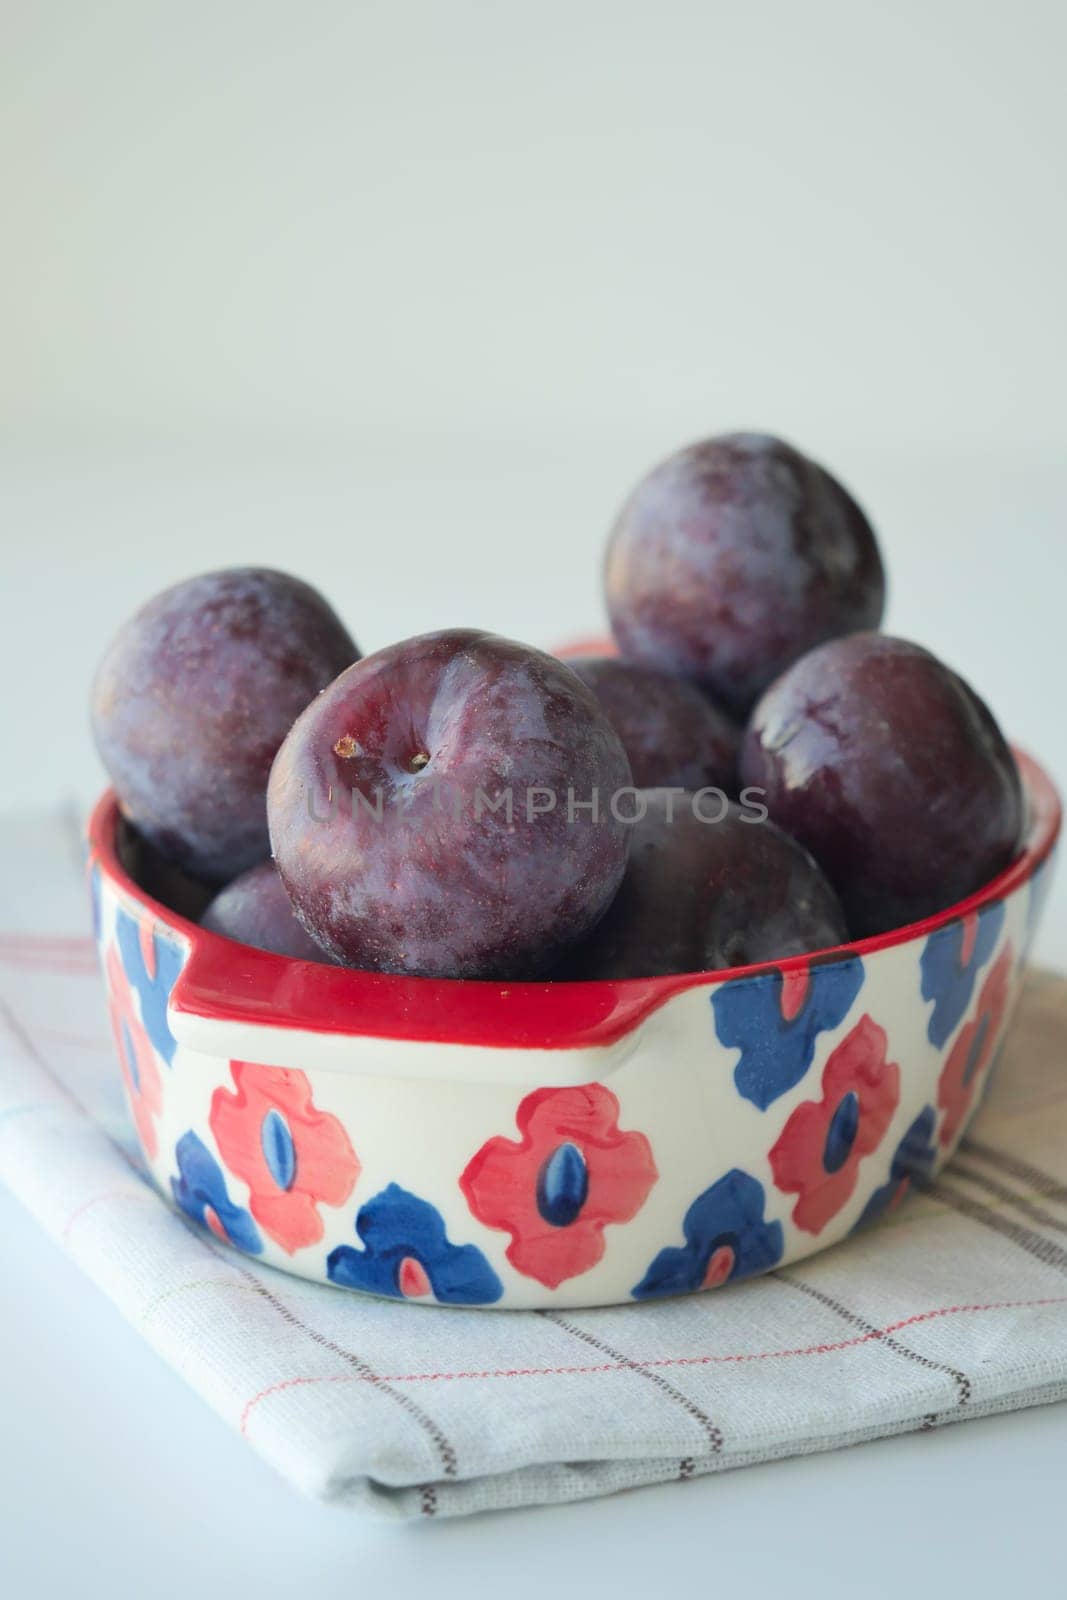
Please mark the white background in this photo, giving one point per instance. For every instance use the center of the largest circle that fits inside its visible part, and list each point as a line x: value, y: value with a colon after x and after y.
x: 403, y: 297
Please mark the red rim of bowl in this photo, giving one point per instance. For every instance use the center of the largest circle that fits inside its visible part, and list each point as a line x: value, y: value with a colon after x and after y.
x: 232, y: 983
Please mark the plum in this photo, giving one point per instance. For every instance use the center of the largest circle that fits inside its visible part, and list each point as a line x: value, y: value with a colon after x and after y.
x: 432, y: 811
x: 672, y: 733
x: 192, y: 699
x: 255, y: 909
x: 733, y: 558
x: 701, y: 895
x: 888, y: 767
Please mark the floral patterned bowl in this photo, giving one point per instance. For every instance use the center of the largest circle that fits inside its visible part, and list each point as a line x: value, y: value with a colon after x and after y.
x: 564, y: 1145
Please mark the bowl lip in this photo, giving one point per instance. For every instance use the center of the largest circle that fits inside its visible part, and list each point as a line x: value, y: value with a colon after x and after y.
x: 227, y: 982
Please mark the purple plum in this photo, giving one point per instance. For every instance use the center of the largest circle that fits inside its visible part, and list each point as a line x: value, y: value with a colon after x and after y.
x: 192, y: 699
x: 701, y: 895
x: 734, y: 557
x: 888, y: 767
x: 430, y: 812
x: 670, y: 730
x: 255, y: 909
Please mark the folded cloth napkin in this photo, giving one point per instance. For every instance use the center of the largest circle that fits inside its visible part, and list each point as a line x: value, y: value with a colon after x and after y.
x: 955, y: 1306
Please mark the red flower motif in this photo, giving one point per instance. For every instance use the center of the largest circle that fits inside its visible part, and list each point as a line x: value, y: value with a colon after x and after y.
x: 970, y: 1057
x: 291, y: 1156
x: 819, y: 1150
x: 139, y: 1067
x: 555, y: 1190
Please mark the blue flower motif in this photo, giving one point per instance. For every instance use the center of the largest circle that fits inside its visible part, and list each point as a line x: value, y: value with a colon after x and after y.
x: 774, y: 1021
x: 913, y: 1162
x: 949, y: 969
x: 153, y: 987
x: 726, y: 1237
x: 407, y: 1254
x: 200, y: 1190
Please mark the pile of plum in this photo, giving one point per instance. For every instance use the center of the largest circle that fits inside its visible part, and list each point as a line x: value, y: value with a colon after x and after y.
x: 758, y: 772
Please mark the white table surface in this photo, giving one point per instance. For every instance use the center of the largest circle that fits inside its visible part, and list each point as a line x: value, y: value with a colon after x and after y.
x: 114, y: 1479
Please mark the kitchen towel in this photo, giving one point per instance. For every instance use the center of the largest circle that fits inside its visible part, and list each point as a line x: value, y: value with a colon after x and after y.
x: 954, y: 1306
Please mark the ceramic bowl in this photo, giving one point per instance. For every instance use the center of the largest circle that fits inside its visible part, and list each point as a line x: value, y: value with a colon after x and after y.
x: 564, y: 1145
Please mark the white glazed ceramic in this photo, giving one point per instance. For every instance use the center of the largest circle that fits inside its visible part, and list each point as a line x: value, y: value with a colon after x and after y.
x: 555, y: 1144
